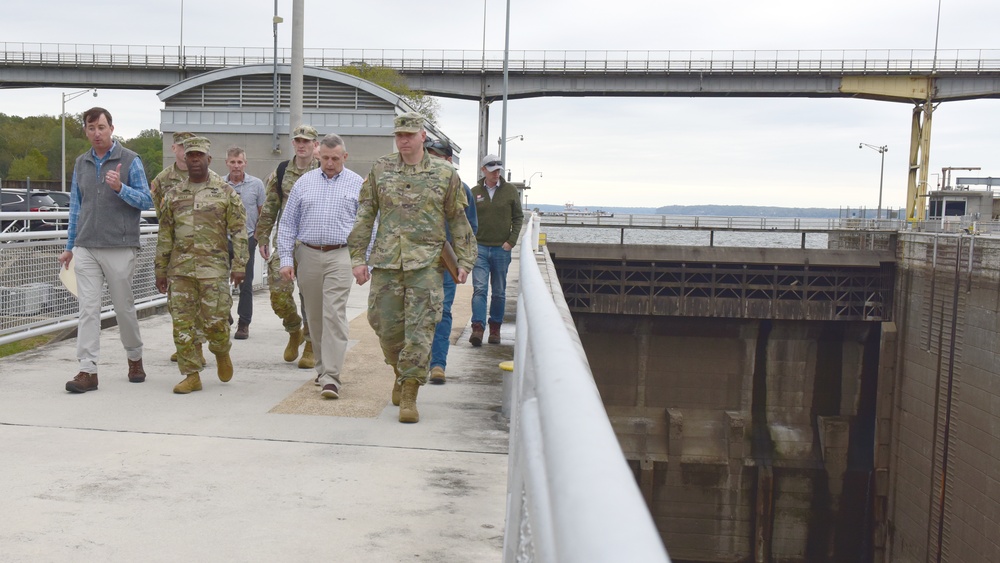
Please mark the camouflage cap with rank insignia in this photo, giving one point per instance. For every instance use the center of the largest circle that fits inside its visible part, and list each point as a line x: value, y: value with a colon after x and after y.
x: 197, y: 144
x: 411, y: 122
x: 305, y: 132
x: 181, y: 136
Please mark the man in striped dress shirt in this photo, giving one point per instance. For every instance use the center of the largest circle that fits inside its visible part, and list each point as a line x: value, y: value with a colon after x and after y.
x: 319, y: 214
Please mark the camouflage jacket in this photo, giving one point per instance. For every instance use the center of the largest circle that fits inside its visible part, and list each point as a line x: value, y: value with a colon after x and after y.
x: 272, y: 207
x: 413, y: 203
x: 196, y: 223
x: 166, y: 180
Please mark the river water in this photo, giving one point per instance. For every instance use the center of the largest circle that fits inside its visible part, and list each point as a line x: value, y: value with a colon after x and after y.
x: 744, y: 239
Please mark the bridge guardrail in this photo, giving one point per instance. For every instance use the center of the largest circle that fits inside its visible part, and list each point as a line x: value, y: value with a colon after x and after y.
x: 33, y: 301
x: 571, y: 495
x: 882, y: 61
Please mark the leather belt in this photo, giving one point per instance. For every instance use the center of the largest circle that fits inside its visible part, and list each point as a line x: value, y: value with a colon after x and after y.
x: 324, y: 247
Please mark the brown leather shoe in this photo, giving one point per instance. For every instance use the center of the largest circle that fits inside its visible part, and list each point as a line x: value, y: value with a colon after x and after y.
x: 330, y: 391
x: 242, y: 331
x: 135, y: 372
x: 494, y: 333
x: 82, y: 383
x: 477, y: 334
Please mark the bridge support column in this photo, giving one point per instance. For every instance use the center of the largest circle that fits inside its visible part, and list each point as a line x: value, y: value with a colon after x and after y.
x: 484, y: 131
x: 920, y: 148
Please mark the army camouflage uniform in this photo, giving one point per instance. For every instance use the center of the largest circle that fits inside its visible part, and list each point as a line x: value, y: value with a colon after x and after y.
x: 166, y: 180
x: 406, y: 296
x: 281, y: 290
x: 196, y: 221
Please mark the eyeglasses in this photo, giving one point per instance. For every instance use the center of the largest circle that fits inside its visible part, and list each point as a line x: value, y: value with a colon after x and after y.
x: 493, y: 163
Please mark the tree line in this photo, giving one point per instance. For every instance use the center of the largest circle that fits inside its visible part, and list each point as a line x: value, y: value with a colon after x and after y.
x: 31, y: 147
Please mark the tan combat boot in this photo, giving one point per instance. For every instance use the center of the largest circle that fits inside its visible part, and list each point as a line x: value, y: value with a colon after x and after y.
x: 437, y: 375
x: 225, y: 368
x: 191, y: 383
x: 292, y: 349
x: 408, y: 402
x: 308, y: 360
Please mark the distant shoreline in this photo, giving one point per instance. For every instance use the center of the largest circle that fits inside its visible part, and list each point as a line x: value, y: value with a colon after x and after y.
x: 727, y: 211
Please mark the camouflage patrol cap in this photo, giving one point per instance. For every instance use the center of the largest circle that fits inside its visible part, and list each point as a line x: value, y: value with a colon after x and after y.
x: 410, y: 122
x: 197, y: 144
x: 181, y: 136
x: 305, y: 132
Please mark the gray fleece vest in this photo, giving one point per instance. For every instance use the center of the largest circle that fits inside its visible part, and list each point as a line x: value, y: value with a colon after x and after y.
x: 105, y: 221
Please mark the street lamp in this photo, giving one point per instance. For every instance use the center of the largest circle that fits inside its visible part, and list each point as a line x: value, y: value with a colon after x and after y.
x: 881, y: 150
x: 527, y: 186
x: 62, y: 116
x: 501, y: 141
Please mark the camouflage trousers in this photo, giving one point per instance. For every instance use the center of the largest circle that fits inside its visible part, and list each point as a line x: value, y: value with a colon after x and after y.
x: 283, y: 296
x: 199, y: 306
x: 404, y: 308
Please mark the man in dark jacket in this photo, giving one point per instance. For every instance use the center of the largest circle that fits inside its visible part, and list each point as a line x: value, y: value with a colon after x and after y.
x: 498, y: 208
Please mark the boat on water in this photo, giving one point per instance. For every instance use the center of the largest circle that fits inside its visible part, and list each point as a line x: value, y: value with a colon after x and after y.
x: 569, y: 210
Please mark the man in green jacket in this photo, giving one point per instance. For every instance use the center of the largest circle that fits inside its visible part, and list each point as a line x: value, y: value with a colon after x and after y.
x: 498, y: 207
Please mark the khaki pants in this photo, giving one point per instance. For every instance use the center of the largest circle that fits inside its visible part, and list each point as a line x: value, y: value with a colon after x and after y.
x: 94, y: 267
x: 325, y: 280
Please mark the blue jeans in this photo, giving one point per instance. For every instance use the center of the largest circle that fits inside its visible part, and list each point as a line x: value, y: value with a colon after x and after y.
x: 442, y: 334
x: 490, y: 269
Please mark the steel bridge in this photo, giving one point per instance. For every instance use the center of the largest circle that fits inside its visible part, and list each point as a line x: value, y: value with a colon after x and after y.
x: 923, y: 78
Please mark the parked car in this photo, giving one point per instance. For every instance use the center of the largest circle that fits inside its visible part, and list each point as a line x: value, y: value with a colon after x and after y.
x: 40, y: 200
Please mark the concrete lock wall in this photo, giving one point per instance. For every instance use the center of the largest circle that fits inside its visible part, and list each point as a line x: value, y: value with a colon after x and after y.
x: 746, y: 436
x: 945, y: 439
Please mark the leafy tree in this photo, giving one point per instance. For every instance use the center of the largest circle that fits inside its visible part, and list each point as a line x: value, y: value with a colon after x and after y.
x: 33, y: 165
x: 391, y: 80
x: 149, y: 146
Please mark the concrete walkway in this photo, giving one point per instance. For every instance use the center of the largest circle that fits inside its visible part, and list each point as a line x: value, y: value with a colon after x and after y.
x: 132, y: 472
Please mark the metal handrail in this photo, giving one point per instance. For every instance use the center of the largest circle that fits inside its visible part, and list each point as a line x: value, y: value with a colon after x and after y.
x: 571, y: 494
x: 859, y: 61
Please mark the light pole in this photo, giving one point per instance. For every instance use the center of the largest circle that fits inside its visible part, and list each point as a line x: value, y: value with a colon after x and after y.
x: 881, y: 150
x: 62, y: 115
x: 502, y: 140
x: 527, y: 186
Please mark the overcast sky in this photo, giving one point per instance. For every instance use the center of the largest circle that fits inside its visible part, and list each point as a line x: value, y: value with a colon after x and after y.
x: 603, y: 151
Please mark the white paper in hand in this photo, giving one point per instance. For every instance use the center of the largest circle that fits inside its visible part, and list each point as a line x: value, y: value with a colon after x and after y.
x: 68, y: 277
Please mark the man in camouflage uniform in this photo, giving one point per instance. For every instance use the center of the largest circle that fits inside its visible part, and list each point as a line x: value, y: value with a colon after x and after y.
x: 414, y: 195
x: 197, y: 219
x: 304, y: 141
x: 166, y: 180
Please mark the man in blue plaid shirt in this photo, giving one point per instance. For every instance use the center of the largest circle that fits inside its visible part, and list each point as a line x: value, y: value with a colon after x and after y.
x: 319, y: 215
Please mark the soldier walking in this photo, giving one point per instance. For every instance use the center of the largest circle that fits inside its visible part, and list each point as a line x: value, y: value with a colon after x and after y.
x: 169, y: 178
x: 278, y: 186
x: 197, y: 219
x: 413, y: 195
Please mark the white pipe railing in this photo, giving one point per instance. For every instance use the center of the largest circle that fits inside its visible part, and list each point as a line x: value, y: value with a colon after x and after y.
x: 855, y: 61
x: 571, y: 495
